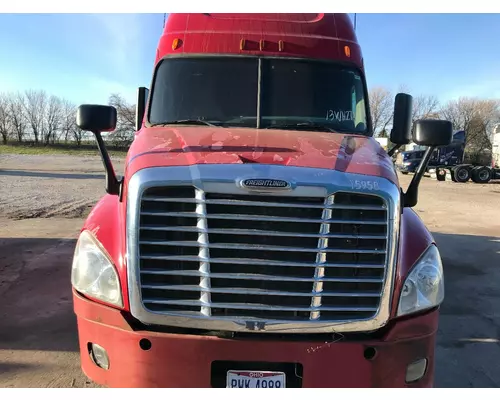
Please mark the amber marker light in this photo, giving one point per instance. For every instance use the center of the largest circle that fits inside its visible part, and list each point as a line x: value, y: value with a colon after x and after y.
x: 176, y: 44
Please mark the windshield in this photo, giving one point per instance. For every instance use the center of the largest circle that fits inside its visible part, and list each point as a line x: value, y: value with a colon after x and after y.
x: 225, y: 91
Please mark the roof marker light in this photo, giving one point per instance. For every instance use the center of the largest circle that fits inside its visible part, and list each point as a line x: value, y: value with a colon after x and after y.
x: 242, y: 44
x: 262, y: 44
x: 347, y: 51
x: 281, y: 45
x: 176, y: 44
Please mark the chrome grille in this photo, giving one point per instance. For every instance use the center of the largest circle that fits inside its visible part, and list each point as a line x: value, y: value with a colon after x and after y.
x: 266, y: 257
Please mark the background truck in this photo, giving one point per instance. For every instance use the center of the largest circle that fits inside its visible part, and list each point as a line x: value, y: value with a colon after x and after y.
x: 452, y: 159
x: 259, y: 236
x: 408, y: 161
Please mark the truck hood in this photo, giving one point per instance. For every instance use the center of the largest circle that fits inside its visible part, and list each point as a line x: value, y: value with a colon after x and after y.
x: 190, y: 145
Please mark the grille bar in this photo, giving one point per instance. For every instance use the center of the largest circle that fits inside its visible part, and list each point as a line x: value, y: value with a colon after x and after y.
x: 246, y: 306
x: 258, y: 262
x: 245, y: 246
x: 237, y: 290
x: 259, y: 233
x: 245, y: 217
x: 264, y: 204
x: 319, y: 272
x: 259, y: 277
x: 204, y: 253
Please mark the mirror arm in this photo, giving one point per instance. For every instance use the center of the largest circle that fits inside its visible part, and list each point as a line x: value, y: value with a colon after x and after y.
x: 113, y: 185
x: 411, y: 195
x: 393, y: 149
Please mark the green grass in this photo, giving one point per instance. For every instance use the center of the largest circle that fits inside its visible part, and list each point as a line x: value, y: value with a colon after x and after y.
x: 48, y: 150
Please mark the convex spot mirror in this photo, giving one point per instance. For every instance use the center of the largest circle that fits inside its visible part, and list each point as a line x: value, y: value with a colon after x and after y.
x: 432, y: 132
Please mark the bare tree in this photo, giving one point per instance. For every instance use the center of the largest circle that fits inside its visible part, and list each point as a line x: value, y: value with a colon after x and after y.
x: 17, y: 113
x: 35, y: 105
x: 68, y: 119
x: 53, y: 119
x: 125, y: 126
x: 381, y: 105
x: 424, y: 106
x: 476, y: 117
x: 5, y: 121
x: 77, y: 134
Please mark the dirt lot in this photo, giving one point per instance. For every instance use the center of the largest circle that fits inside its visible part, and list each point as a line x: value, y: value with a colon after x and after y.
x: 43, y: 200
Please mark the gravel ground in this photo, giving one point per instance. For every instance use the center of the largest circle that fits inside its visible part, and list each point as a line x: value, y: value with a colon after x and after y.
x: 43, y: 200
x: 50, y: 186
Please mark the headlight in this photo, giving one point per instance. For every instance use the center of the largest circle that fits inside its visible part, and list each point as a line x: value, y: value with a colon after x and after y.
x: 93, y: 274
x: 424, y: 286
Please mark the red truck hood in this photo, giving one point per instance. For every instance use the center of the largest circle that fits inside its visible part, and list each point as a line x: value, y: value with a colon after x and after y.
x: 189, y: 145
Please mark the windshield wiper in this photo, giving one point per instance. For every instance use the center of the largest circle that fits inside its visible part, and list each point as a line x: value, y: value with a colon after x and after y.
x: 185, y: 122
x: 304, y: 125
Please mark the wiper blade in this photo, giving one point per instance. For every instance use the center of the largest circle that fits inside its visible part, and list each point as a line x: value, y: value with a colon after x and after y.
x: 302, y: 125
x: 185, y: 122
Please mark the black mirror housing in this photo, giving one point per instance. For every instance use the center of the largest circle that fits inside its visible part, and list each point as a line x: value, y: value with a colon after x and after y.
x: 140, y: 107
x: 96, y: 118
x: 432, y: 132
x: 401, y: 126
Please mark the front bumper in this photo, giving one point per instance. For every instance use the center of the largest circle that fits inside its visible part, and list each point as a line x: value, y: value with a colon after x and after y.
x: 185, y: 360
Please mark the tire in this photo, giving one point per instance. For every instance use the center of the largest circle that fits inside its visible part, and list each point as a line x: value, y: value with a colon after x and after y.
x: 462, y: 174
x: 404, y: 172
x: 481, y: 175
x: 440, y: 174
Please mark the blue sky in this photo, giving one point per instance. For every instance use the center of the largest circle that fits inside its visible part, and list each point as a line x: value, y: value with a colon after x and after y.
x: 85, y: 57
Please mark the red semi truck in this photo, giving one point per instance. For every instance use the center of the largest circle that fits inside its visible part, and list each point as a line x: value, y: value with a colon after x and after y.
x: 259, y: 236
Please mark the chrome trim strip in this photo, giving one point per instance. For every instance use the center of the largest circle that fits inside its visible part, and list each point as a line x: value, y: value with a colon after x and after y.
x: 246, y: 217
x: 261, y: 277
x: 257, y: 233
x: 260, y: 262
x: 322, y: 246
x: 308, y: 182
x: 319, y: 272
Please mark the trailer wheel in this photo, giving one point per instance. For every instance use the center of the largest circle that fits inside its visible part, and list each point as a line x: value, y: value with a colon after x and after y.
x: 462, y: 174
x: 481, y: 175
x: 440, y: 174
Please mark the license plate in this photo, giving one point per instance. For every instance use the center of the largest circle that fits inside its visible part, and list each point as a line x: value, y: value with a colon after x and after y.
x: 255, y: 379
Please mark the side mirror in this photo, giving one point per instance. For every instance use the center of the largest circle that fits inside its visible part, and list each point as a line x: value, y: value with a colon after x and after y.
x: 432, y: 133
x: 96, y: 118
x: 140, y: 107
x: 401, y: 126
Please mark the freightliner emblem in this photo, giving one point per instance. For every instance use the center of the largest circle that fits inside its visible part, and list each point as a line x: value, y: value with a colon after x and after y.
x: 265, y: 184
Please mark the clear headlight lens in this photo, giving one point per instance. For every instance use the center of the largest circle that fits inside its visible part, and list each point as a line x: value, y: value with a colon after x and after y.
x: 424, y: 286
x: 93, y: 274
